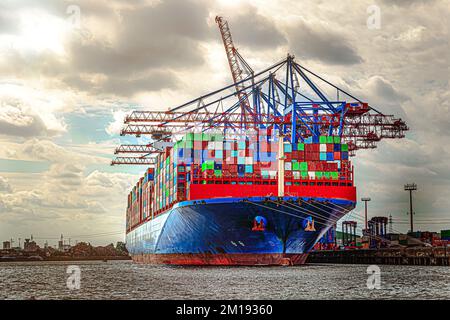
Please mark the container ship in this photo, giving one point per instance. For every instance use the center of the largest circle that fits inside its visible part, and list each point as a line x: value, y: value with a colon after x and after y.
x: 211, y: 200
x: 257, y: 181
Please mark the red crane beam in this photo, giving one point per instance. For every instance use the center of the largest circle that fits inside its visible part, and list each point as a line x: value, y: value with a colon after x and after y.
x: 134, y: 161
x: 137, y: 148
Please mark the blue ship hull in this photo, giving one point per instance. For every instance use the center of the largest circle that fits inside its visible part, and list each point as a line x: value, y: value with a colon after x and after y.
x: 236, y: 231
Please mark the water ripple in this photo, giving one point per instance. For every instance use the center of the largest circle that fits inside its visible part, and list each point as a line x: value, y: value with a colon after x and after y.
x: 125, y: 280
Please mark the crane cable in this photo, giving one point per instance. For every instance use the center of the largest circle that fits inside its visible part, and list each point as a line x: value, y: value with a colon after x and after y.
x: 314, y: 215
x: 281, y: 211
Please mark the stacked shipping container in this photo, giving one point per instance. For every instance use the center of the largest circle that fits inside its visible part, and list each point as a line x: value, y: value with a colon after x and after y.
x: 200, y: 157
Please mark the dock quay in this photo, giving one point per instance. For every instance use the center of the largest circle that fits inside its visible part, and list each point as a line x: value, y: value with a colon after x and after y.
x: 423, y: 256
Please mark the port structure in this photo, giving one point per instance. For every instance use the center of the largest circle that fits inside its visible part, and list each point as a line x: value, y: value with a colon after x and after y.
x: 365, y: 200
x: 349, y: 233
x: 411, y: 187
x: 377, y: 232
x: 285, y: 97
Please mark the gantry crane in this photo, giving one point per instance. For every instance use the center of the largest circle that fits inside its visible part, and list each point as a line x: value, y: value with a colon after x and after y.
x: 238, y: 67
x: 284, y: 97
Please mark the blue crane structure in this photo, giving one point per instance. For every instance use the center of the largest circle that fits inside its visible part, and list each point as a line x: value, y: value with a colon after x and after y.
x: 286, y: 96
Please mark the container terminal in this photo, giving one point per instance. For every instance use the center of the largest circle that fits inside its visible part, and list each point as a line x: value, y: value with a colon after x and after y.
x: 254, y: 173
x: 382, y: 244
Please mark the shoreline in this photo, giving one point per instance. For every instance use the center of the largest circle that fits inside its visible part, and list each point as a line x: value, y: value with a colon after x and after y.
x: 76, y: 258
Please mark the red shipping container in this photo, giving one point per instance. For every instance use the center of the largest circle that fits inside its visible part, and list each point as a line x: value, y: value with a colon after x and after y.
x: 337, y: 155
x: 263, y: 146
x: 264, y: 164
x: 330, y: 147
x: 198, y: 145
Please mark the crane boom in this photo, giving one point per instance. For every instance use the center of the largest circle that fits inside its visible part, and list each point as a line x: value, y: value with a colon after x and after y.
x: 136, y: 148
x: 238, y: 66
x: 134, y: 161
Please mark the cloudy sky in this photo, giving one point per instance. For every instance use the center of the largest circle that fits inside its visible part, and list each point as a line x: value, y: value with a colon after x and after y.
x: 70, y: 70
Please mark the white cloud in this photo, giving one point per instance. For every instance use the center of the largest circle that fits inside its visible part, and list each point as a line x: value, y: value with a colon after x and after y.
x: 116, y: 125
x: 29, y: 112
x: 5, y: 187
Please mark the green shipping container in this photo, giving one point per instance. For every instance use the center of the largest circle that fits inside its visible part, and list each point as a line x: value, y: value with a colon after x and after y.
x: 334, y: 175
x: 304, y: 166
x: 189, y: 136
x: 304, y: 174
x: 208, y: 165
x: 296, y: 166
x: 319, y: 174
x: 445, y: 233
x: 301, y: 146
x: 337, y: 139
x: 344, y: 147
x: 323, y: 139
x: 189, y: 144
x: 216, y: 137
x: 330, y: 139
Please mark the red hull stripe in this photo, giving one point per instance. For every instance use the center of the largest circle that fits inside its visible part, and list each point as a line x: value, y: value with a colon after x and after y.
x: 237, y: 259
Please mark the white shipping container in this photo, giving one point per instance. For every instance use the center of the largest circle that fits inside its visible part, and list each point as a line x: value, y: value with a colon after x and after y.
x: 272, y: 173
x: 218, y: 145
x: 323, y: 147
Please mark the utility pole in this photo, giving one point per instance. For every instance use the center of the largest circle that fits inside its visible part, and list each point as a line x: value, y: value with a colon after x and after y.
x: 411, y: 187
x: 391, y: 230
x: 365, y: 210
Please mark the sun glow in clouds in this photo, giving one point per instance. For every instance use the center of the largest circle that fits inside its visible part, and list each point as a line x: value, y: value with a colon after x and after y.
x: 39, y: 31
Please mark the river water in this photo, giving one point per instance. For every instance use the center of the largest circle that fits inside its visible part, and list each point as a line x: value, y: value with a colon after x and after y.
x: 126, y: 280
